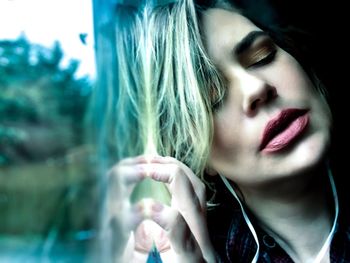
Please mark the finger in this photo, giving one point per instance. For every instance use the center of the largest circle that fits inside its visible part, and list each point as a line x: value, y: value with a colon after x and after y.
x: 123, y: 179
x: 181, y: 238
x: 163, y: 159
x: 190, y: 202
x: 172, y: 160
x: 127, y: 174
x: 139, y: 159
x: 150, y: 234
x: 134, y: 217
x: 126, y: 215
x: 164, y: 215
x: 119, y: 226
x: 177, y: 167
x: 163, y: 172
x: 187, y: 197
x: 134, y: 160
x: 179, y: 180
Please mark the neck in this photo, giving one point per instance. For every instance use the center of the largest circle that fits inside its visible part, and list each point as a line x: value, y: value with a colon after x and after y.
x: 294, y: 211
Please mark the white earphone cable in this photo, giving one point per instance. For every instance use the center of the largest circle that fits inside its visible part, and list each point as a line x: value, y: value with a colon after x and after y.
x: 246, y: 218
x: 328, y: 241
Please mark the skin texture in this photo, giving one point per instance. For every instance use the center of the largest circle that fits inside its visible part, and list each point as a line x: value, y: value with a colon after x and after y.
x: 254, y: 96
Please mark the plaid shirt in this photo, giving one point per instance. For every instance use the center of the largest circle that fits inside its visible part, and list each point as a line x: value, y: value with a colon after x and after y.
x: 234, y: 242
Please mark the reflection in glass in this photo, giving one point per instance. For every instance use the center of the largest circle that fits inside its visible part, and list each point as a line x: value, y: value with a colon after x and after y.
x: 47, y: 184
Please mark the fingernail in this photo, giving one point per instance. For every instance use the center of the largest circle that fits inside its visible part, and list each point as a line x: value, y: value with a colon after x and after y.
x: 142, y: 159
x: 157, y: 158
x: 157, y: 207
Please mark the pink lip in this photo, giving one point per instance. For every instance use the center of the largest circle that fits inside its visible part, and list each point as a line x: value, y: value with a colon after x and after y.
x: 282, y: 130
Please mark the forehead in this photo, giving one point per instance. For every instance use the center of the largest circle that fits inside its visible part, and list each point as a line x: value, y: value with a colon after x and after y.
x: 223, y: 30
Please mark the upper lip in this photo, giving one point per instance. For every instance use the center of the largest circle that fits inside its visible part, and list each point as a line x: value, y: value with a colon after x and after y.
x: 279, y: 123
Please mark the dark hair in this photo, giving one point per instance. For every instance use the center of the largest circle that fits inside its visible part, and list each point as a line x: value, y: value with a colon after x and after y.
x: 264, y: 15
x: 304, y: 39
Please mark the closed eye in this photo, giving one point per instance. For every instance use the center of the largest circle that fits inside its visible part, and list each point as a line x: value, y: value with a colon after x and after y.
x: 261, y: 52
x: 264, y: 60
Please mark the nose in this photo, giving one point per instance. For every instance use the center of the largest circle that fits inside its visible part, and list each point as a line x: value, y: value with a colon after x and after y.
x: 255, y: 94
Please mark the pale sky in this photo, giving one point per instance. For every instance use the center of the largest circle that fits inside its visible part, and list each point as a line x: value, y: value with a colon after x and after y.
x: 44, y: 21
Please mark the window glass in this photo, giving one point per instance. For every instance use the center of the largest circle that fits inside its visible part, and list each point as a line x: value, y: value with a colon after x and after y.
x: 47, y: 186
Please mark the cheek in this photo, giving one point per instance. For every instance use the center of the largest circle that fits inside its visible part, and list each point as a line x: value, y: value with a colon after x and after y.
x: 226, y: 138
x: 291, y: 80
x: 221, y: 139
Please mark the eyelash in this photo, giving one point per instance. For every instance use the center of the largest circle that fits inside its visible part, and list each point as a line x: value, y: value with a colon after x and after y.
x: 264, y: 61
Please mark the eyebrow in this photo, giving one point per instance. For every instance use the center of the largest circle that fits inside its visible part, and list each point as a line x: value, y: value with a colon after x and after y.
x: 247, y: 41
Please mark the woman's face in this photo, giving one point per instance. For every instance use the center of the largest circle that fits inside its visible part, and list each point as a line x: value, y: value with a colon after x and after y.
x: 272, y: 122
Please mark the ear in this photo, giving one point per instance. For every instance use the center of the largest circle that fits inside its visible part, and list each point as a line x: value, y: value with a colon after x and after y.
x: 210, y: 171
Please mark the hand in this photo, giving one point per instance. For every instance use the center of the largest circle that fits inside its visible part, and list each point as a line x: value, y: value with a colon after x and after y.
x: 184, y: 222
x: 122, y: 217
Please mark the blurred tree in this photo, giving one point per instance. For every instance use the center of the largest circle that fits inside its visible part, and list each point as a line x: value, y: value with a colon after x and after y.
x: 46, y: 180
x: 42, y: 102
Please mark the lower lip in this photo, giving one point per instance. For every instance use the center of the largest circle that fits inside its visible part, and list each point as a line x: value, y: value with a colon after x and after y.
x: 288, y: 136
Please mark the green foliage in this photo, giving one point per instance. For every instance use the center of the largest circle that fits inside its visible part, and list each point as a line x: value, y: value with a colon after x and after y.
x: 39, y: 96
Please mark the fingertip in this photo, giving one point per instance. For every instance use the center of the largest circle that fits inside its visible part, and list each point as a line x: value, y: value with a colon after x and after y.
x: 134, y: 177
x: 160, y: 174
x: 162, y: 159
x: 158, y: 219
x: 157, y: 207
x: 154, y: 175
x: 142, y: 159
x: 163, y: 215
x: 135, y: 217
x: 156, y: 159
x: 133, y: 160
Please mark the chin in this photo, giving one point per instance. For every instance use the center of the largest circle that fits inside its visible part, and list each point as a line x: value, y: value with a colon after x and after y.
x: 311, y: 153
x: 306, y: 156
